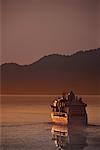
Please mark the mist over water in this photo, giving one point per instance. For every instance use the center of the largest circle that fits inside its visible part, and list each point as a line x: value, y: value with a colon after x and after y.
x: 26, y: 125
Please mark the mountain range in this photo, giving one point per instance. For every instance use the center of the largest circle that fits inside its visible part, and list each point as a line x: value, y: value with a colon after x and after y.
x: 54, y: 74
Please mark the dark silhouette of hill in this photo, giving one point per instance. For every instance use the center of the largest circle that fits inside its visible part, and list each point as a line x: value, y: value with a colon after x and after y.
x: 54, y: 74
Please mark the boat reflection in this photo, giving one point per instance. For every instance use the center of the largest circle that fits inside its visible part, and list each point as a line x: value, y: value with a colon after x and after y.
x: 69, y: 138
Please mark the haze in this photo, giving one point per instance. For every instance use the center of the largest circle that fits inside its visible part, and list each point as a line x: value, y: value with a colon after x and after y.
x: 34, y: 28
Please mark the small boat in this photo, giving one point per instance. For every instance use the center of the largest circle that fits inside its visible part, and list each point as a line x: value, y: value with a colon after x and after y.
x: 69, y: 110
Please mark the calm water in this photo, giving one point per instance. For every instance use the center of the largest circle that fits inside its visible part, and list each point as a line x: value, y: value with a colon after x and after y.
x: 26, y: 125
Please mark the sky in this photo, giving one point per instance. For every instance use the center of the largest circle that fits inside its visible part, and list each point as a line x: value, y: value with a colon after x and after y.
x: 31, y: 29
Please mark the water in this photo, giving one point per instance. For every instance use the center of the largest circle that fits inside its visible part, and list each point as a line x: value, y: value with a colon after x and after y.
x: 26, y: 125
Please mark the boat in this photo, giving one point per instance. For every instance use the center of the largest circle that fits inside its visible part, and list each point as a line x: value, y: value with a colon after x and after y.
x: 69, y: 110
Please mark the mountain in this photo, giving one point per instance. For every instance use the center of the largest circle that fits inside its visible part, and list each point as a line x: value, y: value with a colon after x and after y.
x: 54, y: 74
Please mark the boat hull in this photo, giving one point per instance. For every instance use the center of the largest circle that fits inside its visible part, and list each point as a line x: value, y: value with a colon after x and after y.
x: 59, y: 119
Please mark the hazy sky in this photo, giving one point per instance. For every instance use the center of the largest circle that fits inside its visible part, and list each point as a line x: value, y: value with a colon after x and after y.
x: 34, y: 28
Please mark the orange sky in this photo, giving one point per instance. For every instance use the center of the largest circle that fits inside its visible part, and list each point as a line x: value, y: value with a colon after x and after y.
x: 34, y: 28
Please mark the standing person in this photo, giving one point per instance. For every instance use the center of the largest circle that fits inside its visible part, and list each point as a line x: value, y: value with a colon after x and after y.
x: 55, y: 105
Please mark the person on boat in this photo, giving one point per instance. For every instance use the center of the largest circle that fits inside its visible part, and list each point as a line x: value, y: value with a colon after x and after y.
x: 59, y: 104
x: 56, y: 105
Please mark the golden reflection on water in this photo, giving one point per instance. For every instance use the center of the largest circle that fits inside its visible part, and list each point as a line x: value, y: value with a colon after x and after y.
x: 70, y: 138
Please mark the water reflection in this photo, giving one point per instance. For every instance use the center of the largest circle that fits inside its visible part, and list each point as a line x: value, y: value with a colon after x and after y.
x: 71, y: 138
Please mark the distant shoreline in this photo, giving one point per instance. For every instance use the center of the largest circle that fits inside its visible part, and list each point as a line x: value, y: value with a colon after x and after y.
x: 54, y: 74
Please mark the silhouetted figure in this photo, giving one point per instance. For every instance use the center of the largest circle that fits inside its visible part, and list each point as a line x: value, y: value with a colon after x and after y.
x: 71, y: 96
